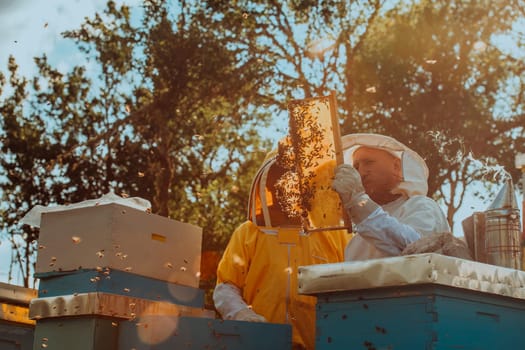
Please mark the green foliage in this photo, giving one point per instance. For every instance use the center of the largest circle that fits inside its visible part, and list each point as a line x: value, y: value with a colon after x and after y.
x: 25, y: 150
x: 430, y: 76
x: 279, y: 34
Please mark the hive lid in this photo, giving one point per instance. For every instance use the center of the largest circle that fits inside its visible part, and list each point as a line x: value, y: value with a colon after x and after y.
x: 418, y: 269
x: 10, y: 293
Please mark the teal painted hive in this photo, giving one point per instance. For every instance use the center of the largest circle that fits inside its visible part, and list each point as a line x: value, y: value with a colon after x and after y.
x: 426, y: 301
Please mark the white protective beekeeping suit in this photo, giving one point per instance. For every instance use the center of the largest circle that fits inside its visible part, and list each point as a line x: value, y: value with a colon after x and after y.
x: 391, y: 227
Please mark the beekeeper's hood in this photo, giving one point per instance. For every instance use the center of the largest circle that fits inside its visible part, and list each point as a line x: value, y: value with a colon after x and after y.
x: 263, y: 207
x: 414, y: 168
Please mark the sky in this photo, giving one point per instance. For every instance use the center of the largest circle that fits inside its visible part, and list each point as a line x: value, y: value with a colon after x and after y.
x: 33, y: 27
x: 30, y: 28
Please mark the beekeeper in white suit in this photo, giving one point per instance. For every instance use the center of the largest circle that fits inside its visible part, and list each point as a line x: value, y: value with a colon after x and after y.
x: 383, y: 187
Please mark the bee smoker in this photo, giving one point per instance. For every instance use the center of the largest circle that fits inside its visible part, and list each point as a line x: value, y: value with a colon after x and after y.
x: 494, y: 236
x: 503, y: 229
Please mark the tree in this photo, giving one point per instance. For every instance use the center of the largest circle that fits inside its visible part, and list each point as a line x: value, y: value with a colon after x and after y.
x: 307, y: 42
x: 433, y: 67
x: 26, y: 151
x: 170, y: 117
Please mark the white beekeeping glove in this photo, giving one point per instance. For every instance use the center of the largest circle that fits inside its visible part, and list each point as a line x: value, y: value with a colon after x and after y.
x: 249, y: 315
x: 347, y: 182
x: 231, y: 306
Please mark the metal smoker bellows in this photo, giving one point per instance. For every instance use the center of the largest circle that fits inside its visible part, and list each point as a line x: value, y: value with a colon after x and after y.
x: 494, y: 236
x: 502, y: 229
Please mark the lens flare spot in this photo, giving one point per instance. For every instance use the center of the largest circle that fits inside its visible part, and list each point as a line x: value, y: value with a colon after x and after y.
x: 154, y: 329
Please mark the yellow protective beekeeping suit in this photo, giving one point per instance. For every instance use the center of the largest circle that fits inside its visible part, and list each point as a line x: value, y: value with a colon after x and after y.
x: 262, y: 262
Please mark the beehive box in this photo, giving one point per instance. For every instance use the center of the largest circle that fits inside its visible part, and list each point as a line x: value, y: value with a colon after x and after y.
x: 16, y: 329
x: 161, y: 333
x: 118, y: 283
x: 79, y: 333
x: 419, y: 317
x: 425, y: 301
x: 118, y: 237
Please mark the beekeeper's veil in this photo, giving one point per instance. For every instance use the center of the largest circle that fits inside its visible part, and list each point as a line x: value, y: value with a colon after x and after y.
x: 264, y: 208
x: 414, y: 168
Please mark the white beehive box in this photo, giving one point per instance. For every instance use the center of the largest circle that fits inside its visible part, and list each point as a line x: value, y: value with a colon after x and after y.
x: 114, y: 236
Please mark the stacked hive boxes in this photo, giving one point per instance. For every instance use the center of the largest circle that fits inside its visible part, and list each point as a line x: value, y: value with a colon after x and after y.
x: 103, y: 265
x: 114, y: 277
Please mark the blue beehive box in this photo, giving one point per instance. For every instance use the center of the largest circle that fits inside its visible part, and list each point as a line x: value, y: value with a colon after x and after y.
x: 79, y: 333
x: 118, y: 282
x: 200, y: 333
x: 425, y: 301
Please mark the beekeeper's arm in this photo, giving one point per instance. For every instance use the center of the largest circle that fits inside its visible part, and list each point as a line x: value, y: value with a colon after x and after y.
x: 231, y: 272
x: 374, y: 224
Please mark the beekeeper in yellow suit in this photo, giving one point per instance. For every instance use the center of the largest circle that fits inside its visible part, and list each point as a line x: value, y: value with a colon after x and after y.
x: 257, y: 275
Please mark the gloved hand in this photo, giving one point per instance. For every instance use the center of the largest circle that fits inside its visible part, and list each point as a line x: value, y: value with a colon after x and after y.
x: 249, y: 315
x: 347, y: 183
